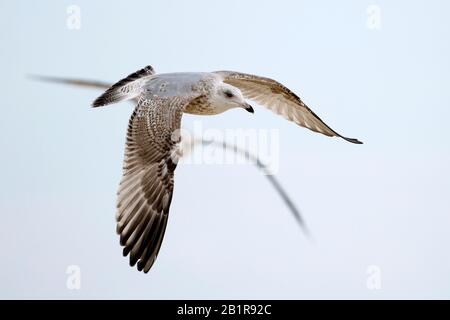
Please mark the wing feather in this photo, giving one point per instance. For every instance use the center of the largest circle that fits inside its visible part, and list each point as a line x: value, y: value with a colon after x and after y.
x: 279, y: 99
x: 146, y: 188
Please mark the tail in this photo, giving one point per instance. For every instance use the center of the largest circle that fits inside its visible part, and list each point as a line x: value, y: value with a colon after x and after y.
x: 127, y: 88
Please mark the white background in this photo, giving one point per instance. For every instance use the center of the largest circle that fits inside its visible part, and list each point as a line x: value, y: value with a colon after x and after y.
x: 384, y: 203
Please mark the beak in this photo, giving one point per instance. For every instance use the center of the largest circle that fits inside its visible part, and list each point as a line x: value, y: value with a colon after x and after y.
x: 249, y: 108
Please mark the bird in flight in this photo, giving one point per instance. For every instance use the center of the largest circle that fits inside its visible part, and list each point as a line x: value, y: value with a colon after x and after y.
x: 153, y: 141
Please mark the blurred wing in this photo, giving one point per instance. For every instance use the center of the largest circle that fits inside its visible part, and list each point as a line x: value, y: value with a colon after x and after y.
x: 145, y: 191
x: 279, y: 99
x: 75, y: 82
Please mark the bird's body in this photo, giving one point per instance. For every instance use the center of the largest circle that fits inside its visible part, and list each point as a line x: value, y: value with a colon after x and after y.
x: 179, y: 83
x: 152, y: 147
x: 186, y: 84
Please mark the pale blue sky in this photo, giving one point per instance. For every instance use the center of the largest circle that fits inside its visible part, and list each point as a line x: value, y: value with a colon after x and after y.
x: 384, y: 203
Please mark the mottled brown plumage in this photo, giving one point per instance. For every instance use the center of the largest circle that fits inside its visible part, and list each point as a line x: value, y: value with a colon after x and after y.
x: 152, y: 148
x: 145, y: 192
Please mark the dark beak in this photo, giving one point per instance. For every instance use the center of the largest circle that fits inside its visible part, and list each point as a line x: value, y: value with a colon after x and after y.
x: 249, y: 108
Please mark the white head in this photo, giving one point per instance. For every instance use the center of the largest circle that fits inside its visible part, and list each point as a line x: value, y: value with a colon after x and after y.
x: 227, y: 97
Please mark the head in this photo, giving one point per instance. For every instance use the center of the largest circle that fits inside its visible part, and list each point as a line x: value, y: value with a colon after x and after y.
x: 227, y: 97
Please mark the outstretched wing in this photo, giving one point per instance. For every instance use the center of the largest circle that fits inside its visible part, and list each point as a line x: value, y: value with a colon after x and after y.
x: 276, y: 97
x: 145, y: 191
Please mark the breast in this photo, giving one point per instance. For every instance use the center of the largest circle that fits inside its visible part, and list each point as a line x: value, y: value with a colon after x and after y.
x: 200, y: 106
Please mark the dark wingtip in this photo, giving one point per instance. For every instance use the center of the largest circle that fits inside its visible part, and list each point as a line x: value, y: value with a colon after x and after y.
x: 140, y: 265
x: 352, y: 140
x: 133, y: 260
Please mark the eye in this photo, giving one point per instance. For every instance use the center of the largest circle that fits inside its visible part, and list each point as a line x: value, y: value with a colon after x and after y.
x: 228, y: 94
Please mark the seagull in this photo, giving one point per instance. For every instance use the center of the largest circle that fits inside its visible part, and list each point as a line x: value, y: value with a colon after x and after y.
x: 153, y: 150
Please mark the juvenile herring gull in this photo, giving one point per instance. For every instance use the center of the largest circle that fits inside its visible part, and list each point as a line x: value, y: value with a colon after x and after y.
x: 152, y: 146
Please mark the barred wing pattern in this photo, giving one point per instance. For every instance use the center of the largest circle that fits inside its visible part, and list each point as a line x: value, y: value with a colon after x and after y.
x: 146, y: 188
x: 279, y: 99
